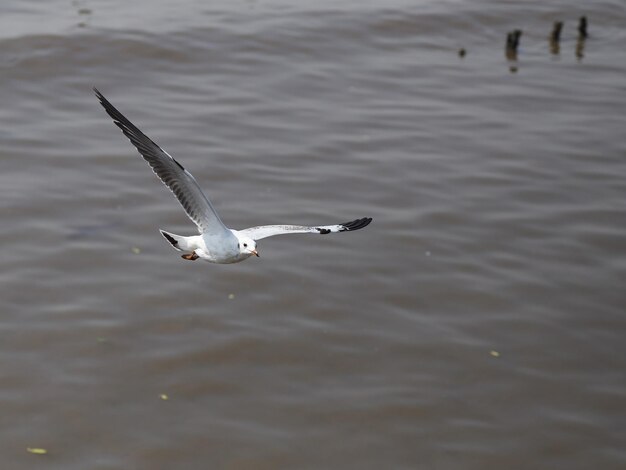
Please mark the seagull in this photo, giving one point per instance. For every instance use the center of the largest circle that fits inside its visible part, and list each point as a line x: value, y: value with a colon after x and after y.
x: 216, y: 242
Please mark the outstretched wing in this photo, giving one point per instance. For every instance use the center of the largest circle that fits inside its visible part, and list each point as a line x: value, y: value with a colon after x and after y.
x: 171, y: 173
x: 264, y: 231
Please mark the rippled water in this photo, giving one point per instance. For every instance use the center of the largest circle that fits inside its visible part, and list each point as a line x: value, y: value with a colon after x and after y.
x: 477, y: 323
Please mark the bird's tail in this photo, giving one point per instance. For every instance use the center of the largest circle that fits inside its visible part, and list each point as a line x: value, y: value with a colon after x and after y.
x: 179, y: 242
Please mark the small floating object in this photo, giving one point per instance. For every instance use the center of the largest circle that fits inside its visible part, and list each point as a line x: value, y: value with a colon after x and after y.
x: 231, y: 296
x: 462, y: 52
x: 135, y: 250
x: 494, y: 353
x: 164, y: 396
x: 582, y: 27
x: 36, y: 450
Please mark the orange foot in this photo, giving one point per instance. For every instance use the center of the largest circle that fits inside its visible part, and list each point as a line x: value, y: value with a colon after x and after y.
x: 190, y: 257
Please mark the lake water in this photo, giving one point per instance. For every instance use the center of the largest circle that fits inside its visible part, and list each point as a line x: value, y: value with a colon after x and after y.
x: 477, y: 323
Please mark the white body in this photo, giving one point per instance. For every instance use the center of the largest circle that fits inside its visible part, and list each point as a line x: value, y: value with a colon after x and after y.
x: 216, y: 242
x: 227, y: 252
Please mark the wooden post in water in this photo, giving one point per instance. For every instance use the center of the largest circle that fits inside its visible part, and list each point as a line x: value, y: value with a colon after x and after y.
x: 555, y: 37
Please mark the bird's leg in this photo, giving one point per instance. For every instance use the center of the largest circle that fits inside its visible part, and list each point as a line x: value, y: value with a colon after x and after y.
x: 190, y: 256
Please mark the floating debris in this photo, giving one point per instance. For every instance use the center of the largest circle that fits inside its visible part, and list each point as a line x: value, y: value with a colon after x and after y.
x: 494, y: 353
x: 462, y: 52
x: 164, y: 396
x: 135, y: 250
x: 36, y: 450
x: 231, y: 296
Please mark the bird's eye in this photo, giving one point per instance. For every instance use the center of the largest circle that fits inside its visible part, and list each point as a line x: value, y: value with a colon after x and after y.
x: 245, y: 245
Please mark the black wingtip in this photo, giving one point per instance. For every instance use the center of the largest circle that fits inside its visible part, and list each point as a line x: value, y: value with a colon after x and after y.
x: 132, y: 132
x: 109, y: 108
x: 169, y: 238
x: 99, y: 95
x: 357, y: 224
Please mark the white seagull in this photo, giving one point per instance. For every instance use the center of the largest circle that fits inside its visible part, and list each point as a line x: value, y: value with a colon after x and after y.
x: 216, y: 242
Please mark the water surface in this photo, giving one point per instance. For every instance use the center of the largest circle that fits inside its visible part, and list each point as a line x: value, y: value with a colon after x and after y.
x: 477, y: 323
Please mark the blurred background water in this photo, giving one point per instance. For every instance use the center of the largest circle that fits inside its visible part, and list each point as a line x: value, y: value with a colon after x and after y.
x: 477, y: 323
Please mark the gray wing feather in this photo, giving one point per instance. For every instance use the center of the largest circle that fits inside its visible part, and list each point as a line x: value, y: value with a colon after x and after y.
x: 264, y: 231
x: 171, y: 173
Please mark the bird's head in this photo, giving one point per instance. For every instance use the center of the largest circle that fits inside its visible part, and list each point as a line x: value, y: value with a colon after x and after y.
x: 247, y: 246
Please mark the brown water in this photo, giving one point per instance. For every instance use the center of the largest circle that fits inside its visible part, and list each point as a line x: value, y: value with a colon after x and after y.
x: 478, y: 323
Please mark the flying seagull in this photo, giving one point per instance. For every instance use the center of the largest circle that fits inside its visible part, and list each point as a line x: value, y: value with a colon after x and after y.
x: 216, y: 242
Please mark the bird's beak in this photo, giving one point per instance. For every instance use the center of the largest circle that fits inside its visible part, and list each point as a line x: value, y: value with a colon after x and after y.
x: 254, y: 252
